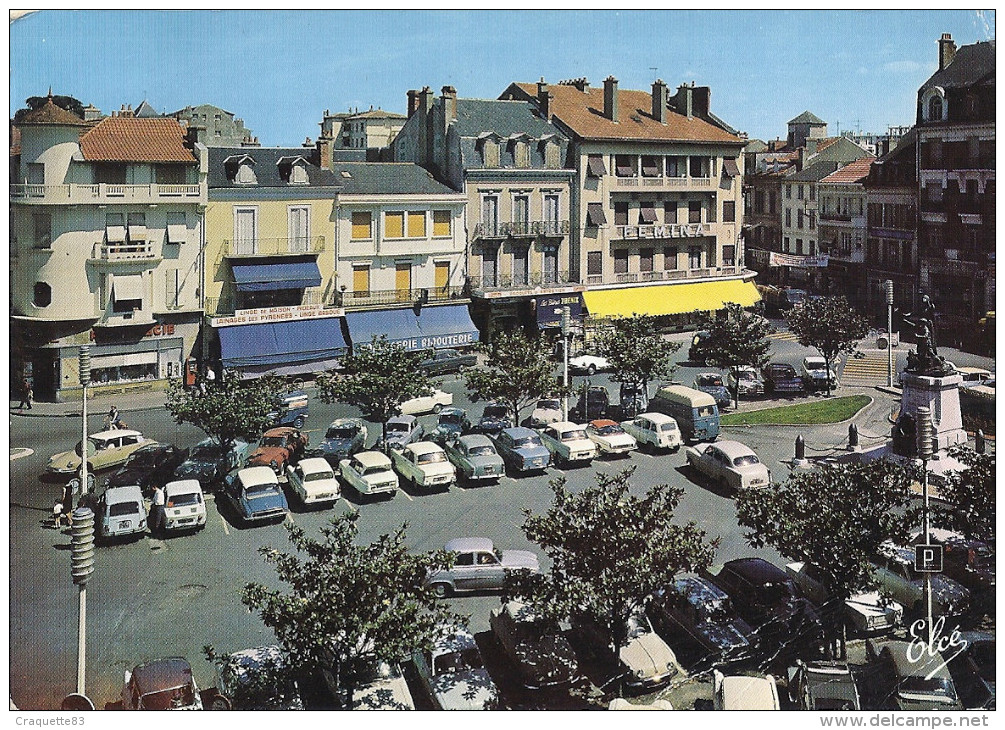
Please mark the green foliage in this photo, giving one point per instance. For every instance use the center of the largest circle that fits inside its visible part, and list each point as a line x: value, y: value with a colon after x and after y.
x: 350, y: 606
x: 63, y: 102
x: 830, y: 325
x: 833, y: 518
x: 227, y: 408
x: 638, y: 354
x: 968, y: 496
x: 609, y: 549
x: 834, y: 410
x: 739, y: 339
x: 267, y: 685
x: 518, y: 372
x: 377, y: 378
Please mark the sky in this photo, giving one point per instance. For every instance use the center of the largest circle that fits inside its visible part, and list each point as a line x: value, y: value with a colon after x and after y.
x: 280, y: 70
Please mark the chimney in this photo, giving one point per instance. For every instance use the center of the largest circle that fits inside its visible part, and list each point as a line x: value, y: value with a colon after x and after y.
x: 611, y: 98
x: 947, y: 50
x: 325, y: 152
x: 307, y: 143
x: 660, y: 101
x: 426, y: 99
x: 449, y: 104
x: 544, y: 98
x: 685, y: 100
x: 413, y: 102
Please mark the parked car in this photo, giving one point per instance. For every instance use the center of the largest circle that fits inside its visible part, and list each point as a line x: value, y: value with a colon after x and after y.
x: 424, y: 465
x: 541, y: 655
x: 478, y: 566
x: 780, y: 377
x: 255, y: 679
x: 633, y: 399
x: 400, y: 431
x: 383, y: 688
x: 427, y: 403
x: 713, y: 384
x: 255, y: 495
x: 149, y: 466
x: 495, y: 417
x: 767, y: 599
x: 291, y: 410
x: 589, y: 364
x: 920, y: 680
x: 645, y: 661
x: 184, y: 506
x: 823, y: 686
x: 594, y: 402
x: 729, y: 464
x: 973, y: 375
x: 698, y: 351
x: 105, y: 449
x: 444, y: 362
x: 450, y: 422
x: 610, y: 438
x: 654, y: 432
x: 703, y: 613
x: 521, y: 449
x: 973, y: 671
x: 344, y: 437
x: 209, y: 462
x: 749, y: 380
x: 895, y: 575
x: 696, y: 413
x: 121, y: 512
x: 868, y: 612
x: 971, y: 563
x: 547, y: 410
x: 369, y: 473
x: 744, y: 692
x: 279, y: 447
x: 163, y: 684
x: 816, y: 375
x: 454, y: 674
x: 568, y: 444
x: 313, y: 481
x: 475, y: 458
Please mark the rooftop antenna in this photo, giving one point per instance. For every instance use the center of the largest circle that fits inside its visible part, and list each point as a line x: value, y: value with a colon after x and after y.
x: 838, y: 123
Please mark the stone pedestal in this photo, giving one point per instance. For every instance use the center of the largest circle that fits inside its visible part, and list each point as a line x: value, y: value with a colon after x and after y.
x: 940, y: 393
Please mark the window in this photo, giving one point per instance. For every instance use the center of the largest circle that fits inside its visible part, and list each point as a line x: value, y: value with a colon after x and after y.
x: 669, y: 258
x: 799, y: 245
x: 520, y: 264
x: 403, y: 281
x: 621, y: 214
x: 729, y: 255
x: 647, y: 213
x: 694, y: 211
x: 417, y: 224
x: 773, y: 198
x: 172, y: 287
x: 490, y: 266
x: 299, y: 220
x: 490, y: 153
x: 595, y: 215
x: 169, y: 174
x: 394, y: 225
x: 521, y: 154
x: 490, y: 214
x: 713, y: 209
x: 41, y: 294
x: 698, y: 166
x: 799, y: 218
x: 594, y: 263
x: 799, y: 193
x: 729, y: 211
x: 646, y: 259
x: 813, y: 221
x: 361, y: 280
x: 177, y: 227
x: 935, y: 108
x: 813, y: 193
x: 246, y: 174
x: 110, y: 173
x: 785, y: 243
x: 621, y: 261
x: 694, y: 257
x: 551, y: 151
x: 43, y: 229
x: 36, y: 173
x: 521, y: 212
x: 551, y: 264
x: 788, y: 192
x: 670, y: 212
x: 625, y: 166
x: 595, y: 166
x: 551, y: 212
x: 127, y: 293
x: 361, y: 226
x: 788, y: 217
x: 298, y: 174
x: 137, y: 227
x: 441, y: 223
x: 651, y: 166
x: 246, y: 230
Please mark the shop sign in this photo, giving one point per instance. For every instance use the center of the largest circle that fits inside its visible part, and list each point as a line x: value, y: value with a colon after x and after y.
x: 670, y: 230
x: 277, y: 314
x: 549, y: 309
x: 158, y: 330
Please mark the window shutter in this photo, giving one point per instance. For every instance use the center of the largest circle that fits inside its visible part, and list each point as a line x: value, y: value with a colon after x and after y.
x: 394, y: 225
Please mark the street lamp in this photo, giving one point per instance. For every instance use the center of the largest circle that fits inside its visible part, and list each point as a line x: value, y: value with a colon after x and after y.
x: 888, y: 289
x: 566, y: 317
x: 85, y: 379
x: 926, y: 449
x: 81, y: 568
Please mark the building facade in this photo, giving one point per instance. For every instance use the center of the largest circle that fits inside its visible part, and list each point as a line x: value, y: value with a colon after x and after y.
x: 842, y: 231
x: 370, y: 133
x: 219, y: 127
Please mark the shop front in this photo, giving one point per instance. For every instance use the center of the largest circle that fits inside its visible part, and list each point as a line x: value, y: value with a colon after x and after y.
x: 434, y: 327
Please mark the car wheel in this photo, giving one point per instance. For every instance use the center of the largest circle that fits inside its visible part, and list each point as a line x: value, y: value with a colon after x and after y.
x: 441, y: 590
x: 437, y: 408
x: 298, y: 422
x: 591, y: 370
x: 220, y: 702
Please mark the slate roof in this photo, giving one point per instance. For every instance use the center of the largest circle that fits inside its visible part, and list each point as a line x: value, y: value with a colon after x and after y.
x: 49, y: 113
x: 504, y: 119
x: 145, y: 111
x: 970, y: 66
x: 376, y: 114
x: 266, y: 166
x: 853, y: 172
x: 387, y: 178
x: 807, y: 117
x: 127, y: 139
x: 814, y: 173
x: 583, y: 113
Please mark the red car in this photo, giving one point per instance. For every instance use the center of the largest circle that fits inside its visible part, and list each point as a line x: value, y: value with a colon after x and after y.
x: 279, y: 447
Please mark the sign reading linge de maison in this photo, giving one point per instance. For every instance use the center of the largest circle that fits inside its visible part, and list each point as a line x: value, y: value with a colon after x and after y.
x: 669, y: 230
x: 277, y: 314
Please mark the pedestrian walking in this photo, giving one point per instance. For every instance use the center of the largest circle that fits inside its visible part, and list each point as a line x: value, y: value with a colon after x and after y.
x: 26, y: 395
x: 67, y: 503
x: 157, y: 517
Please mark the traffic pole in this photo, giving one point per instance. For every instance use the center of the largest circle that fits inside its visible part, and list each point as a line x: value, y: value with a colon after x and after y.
x: 888, y: 288
x: 81, y: 568
x: 926, y: 436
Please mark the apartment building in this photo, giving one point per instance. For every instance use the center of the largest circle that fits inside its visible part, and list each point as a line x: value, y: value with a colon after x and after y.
x: 842, y: 230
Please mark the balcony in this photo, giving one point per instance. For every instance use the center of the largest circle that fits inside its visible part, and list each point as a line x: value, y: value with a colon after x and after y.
x: 380, y: 297
x: 126, y: 251
x: 273, y: 247
x: 105, y: 193
x: 664, y: 276
x: 520, y: 229
x: 666, y: 183
x: 843, y: 217
x: 534, y: 280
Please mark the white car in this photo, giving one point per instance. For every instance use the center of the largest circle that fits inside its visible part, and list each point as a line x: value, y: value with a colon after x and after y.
x: 369, y: 472
x: 424, y: 465
x: 313, y: 481
x: 184, y: 505
x: 749, y: 380
x: 454, y: 675
x: 729, y: 464
x: 568, y: 443
x: 868, y: 612
x: 654, y: 432
x: 610, y: 438
x: 427, y: 403
x: 744, y: 692
x: 547, y: 410
x: 588, y: 364
x: 816, y: 373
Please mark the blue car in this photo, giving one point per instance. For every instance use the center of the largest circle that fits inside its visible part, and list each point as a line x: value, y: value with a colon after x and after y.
x: 495, y: 417
x: 712, y: 383
x: 522, y: 450
x: 255, y: 495
x: 344, y: 437
x: 451, y: 422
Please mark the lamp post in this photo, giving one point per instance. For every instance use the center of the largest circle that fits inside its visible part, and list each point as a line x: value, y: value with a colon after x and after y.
x: 85, y: 379
x: 81, y: 568
x: 566, y: 317
x: 926, y: 449
x: 888, y: 289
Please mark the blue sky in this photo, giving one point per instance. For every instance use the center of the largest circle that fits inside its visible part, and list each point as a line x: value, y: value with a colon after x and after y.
x: 279, y: 71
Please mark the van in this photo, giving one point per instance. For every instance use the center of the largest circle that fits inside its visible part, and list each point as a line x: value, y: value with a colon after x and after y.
x: 121, y: 512
x: 696, y: 413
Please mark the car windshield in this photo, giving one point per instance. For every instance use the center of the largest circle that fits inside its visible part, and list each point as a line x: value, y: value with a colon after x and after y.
x: 548, y: 405
x: 929, y: 686
x: 433, y: 457
x: 273, y: 441
x: 452, y: 419
x: 318, y: 476
x: 168, y: 699
x: 714, y: 611
x: 398, y: 427
x: 668, y: 427
x: 637, y: 626
x: 485, y: 450
x: 122, y: 509
x: 814, y: 365
x: 610, y: 430
x: 457, y: 661
x: 776, y: 592
x: 574, y: 435
x: 747, y: 375
x: 784, y: 371
x: 206, y: 453
x: 527, y: 441
x: 341, y: 432
x: 710, y: 380
x: 144, y: 458
x: 494, y: 412
x: 261, y: 490
x: 179, y: 500
x: 705, y: 411
x: 748, y: 460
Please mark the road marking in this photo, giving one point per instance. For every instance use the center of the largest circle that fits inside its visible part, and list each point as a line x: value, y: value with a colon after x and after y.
x: 224, y: 523
x: 20, y: 453
x: 289, y: 516
x: 407, y: 495
x: 350, y: 505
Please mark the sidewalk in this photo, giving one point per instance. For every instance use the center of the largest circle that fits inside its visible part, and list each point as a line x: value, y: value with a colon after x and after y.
x: 96, y: 405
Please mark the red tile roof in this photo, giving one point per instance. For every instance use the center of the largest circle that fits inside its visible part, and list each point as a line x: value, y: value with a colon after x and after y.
x: 49, y: 113
x: 128, y: 139
x: 583, y: 113
x: 853, y: 172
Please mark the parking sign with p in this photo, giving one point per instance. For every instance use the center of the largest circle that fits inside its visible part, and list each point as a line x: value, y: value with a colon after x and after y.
x: 928, y: 558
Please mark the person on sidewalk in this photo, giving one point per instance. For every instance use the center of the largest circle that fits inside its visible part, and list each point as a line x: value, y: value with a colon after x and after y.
x: 26, y: 394
x: 157, y: 516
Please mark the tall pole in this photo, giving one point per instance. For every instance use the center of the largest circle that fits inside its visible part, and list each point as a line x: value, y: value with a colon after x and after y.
x: 925, y: 452
x: 85, y: 378
x: 888, y: 288
x: 81, y: 568
x: 566, y: 316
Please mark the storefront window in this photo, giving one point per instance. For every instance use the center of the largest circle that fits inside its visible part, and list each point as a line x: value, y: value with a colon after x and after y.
x: 124, y: 374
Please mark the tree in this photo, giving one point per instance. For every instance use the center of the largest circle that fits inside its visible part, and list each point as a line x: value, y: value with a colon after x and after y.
x: 609, y: 550
x: 740, y: 339
x: 833, y: 519
x: 350, y: 606
x: 968, y: 496
x: 226, y: 408
x: 830, y: 325
x: 636, y: 351
x: 518, y: 372
x: 68, y: 103
x: 377, y: 378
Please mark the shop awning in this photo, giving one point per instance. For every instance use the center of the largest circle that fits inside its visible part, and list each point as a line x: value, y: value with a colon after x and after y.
x: 299, y: 341
x: 436, y: 327
x: 706, y: 296
x: 256, y: 276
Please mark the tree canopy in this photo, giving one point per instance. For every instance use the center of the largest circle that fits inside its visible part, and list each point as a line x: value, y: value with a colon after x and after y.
x: 70, y: 104
x: 636, y: 351
x: 518, y: 372
x: 828, y: 324
x: 609, y: 549
x: 739, y: 339
x: 348, y: 606
x: 226, y: 408
x: 968, y: 496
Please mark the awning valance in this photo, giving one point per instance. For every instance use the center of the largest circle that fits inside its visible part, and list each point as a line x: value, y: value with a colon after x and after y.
x: 707, y: 296
x: 282, y: 343
x: 255, y: 276
x: 435, y: 327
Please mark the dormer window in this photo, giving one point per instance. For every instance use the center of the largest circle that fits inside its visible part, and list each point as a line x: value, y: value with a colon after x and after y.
x: 490, y: 153
x: 551, y: 150
x: 934, y: 105
x: 935, y: 108
x: 245, y: 174
x: 241, y: 170
x: 293, y: 170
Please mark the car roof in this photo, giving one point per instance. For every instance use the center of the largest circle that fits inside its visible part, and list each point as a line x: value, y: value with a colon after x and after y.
x: 733, y: 449
x: 970, y: 370
x: 342, y: 422
x: 756, y: 569
x: 475, y: 439
x: 182, y: 486
x: 899, y: 553
x: 468, y: 544
x: 601, y: 422
x: 452, y: 410
x: 459, y: 639
x: 372, y: 458
x: 252, y: 476
x: 520, y: 611
x: 563, y: 425
x: 709, y: 375
x: 657, y: 417
x: 114, y: 433
x: 698, y: 590
x: 402, y: 419
x: 126, y: 493
x: 280, y: 431
x: 162, y: 674
x: 743, y: 691
x: 423, y: 447
x: 153, y: 446
x: 901, y: 653
x: 314, y: 465
x: 519, y: 431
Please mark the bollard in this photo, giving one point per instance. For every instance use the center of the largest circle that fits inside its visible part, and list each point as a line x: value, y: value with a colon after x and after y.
x: 852, y: 437
x: 800, y: 448
x: 980, y: 445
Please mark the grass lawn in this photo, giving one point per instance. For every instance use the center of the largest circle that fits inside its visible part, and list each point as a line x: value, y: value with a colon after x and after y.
x: 828, y: 410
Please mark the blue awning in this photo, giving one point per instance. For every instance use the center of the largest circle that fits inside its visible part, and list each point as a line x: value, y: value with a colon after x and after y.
x: 256, y: 276
x: 314, y: 342
x: 435, y: 327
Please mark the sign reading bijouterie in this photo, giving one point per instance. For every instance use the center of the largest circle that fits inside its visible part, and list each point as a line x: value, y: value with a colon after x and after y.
x: 669, y: 230
x: 277, y: 314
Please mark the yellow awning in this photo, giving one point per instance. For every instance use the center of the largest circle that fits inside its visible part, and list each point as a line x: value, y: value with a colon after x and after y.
x: 708, y: 296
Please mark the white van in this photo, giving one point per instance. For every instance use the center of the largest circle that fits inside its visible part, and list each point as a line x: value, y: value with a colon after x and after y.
x: 121, y: 512
x: 184, y: 505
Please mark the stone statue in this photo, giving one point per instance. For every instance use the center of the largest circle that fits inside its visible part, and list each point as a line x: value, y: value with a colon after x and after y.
x: 925, y: 359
